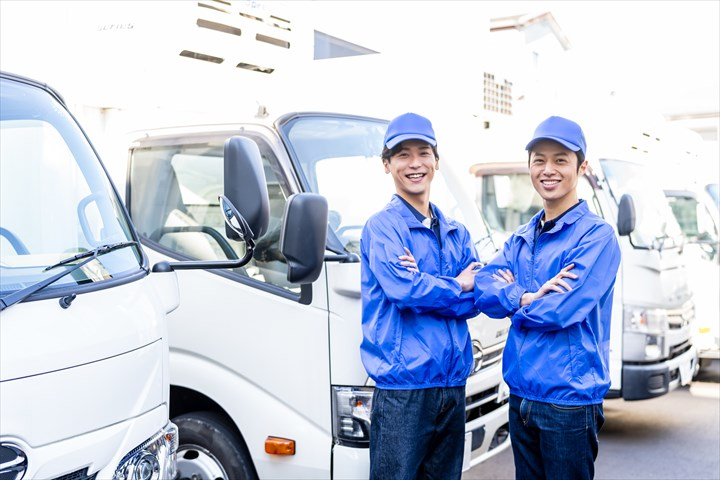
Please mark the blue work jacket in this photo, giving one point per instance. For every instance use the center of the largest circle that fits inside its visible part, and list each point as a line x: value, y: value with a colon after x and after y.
x: 558, y: 346
x: 415, y: 333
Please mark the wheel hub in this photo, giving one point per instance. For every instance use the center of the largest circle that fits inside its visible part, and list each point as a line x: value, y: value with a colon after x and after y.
x: 197, y: 463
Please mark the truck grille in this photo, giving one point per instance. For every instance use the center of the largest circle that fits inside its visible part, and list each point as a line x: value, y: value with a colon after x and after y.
x: 679, y: 349
x: 486, y: 357
x: 77, y: 475
x: 482, y: 403
x: 681, y: 317
x: 13, y: 462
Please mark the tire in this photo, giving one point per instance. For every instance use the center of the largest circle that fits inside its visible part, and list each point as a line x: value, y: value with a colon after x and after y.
x: 210, y: 450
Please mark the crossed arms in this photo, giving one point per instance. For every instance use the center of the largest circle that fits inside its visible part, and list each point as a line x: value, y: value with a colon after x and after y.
x: 585, y: 274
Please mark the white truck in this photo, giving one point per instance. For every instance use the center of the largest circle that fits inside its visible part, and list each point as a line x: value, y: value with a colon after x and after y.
x: 689, y: 175
x: 278, y: 391
x: 697, y: 214
x: 83, y: 334
x: 651, y: 348
x: 84, y: 390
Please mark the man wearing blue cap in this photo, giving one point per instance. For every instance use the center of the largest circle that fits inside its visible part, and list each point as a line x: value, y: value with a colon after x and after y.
x: 554, y: 278
x: 416, y: 345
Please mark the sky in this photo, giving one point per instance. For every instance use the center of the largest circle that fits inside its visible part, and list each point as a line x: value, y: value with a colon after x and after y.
x: 663, y: 55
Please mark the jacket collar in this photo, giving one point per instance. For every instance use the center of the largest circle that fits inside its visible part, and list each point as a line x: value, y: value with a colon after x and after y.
x: 527, y: 231
x: 399, y: 205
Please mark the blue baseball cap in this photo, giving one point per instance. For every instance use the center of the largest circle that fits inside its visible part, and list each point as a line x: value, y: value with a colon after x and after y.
x: 564, y: 131
x: 409, y: 126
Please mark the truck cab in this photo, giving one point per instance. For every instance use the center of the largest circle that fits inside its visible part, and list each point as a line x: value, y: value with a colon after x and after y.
x: 653, y: 313
x: 697, y: 214
x: 265, y: 371
x: 83, y: 333
x: 84, y: 350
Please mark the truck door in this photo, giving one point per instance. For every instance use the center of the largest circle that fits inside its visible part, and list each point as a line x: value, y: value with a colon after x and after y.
x: 589, y: 190
x: 251, y: 345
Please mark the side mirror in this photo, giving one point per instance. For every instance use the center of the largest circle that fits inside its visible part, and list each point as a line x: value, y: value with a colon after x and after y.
x: 245, y: 187
x: 235, y: 221
x: 626, y: 215
x: 303, y: 236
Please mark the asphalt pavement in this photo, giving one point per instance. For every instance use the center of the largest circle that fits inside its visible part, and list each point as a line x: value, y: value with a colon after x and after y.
x: 676, y: 436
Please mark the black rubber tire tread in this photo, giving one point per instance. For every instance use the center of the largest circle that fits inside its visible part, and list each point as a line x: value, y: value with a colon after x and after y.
x: 209, y: 430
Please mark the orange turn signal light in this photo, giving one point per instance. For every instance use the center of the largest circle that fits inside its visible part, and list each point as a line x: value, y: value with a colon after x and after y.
x: 279, y: 446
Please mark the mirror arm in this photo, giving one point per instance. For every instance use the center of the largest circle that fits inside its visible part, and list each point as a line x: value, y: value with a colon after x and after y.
x: 342, y: 258
x: 207, y: 264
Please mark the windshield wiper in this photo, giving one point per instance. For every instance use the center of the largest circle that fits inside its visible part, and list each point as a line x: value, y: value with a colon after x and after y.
x: 90, y: 255
x: 95, y: 252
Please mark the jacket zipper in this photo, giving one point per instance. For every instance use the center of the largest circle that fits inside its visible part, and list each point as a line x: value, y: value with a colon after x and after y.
x: 447, y: 326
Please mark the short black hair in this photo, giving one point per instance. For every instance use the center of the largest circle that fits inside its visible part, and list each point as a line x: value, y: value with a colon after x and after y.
x: 387, y: 153
x: 581, y: 158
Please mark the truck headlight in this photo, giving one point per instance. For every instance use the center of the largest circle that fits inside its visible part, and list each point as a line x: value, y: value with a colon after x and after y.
x: 645, y: 320
x: 654, y: 347
x: 154, y: 459
x: 351, y: 415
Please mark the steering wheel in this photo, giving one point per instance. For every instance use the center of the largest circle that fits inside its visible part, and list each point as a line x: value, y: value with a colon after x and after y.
x: 14, y: 241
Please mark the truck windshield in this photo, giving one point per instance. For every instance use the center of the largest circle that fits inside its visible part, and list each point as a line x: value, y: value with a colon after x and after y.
x: 340, y: 159
x: 712, y: 190
x: 56, y: 200
x: 656, y: 226
x: 508, y: 200
x: 696, y: 221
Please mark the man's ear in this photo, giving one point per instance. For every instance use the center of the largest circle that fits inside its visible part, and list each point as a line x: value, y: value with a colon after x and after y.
x: 583, y: 167
x: 386, y: 164
x: 437, y: 164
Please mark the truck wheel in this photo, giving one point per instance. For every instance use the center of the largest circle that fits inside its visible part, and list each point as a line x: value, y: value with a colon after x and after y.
x: 210, y: 450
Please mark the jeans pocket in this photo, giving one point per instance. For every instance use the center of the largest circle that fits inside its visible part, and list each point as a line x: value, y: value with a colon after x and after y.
x: 571, y: 418
x: 567, y: 408
x: 599, y: 417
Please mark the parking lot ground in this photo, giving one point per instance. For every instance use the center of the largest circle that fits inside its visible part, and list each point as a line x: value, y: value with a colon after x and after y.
x: 676, y: 436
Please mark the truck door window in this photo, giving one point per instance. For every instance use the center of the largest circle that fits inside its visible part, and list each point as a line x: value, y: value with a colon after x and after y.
x: 174, y: 202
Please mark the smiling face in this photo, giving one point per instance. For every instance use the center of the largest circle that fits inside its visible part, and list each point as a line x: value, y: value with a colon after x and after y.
x: 554, y: 173
x: 413, y: 169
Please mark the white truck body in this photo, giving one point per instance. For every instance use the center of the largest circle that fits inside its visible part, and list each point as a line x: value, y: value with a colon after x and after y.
x: 83, y: 333
x: 651, y: 349
x: 291, y: 368
x: 697, y: 214
x: 689, y: 175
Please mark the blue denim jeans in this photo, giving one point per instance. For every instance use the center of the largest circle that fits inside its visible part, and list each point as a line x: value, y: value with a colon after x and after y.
x: 417, y: 434
x: 554, y: 441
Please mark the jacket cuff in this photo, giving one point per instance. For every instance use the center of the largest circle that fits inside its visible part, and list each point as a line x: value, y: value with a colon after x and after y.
x: 515, y: 295
x: 453, y: 282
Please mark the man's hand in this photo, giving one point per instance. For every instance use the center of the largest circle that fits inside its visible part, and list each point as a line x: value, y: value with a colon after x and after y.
x: 555, y: 284
x: 504, y: 276
x: 408, y: 261
x: 466, y: 279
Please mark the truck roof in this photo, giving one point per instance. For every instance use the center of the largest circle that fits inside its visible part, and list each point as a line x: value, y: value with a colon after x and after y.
x: 498, y: 168
x: 35, y: 83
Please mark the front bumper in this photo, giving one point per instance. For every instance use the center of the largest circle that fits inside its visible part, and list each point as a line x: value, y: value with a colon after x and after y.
x: 640, y: 382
